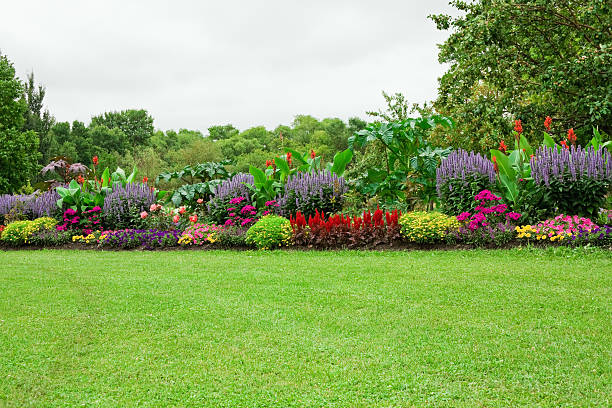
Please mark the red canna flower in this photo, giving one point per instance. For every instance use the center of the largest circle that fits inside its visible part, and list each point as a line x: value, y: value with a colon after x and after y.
x: 547, y: 123
x: 518, y: 127
x: 502, y: 146
x: 495, y: 167
x: 571, y: 136
x: 289, y: 158
x: 80, y: 179
x: 95, y: 160
x: 564, y: 144
x: 312, y: 154
x: 145, y: 179
x: 268, y: 163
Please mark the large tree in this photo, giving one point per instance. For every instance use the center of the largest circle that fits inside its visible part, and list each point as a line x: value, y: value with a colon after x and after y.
x: 525, y: 59
x: 37, y: 119
x: 137, y: 125
x: 18, y: 148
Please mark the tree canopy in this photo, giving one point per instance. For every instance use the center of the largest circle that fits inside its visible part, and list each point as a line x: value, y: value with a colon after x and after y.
x: 525, y: 59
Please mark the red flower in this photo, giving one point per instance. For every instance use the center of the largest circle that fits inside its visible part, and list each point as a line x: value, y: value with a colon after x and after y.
x: 547, y: 122
x: 518, y: 127
x: 312, y: 154
x: 502, y: 146
x: 95, y: 160
x: 289, y: 158
x: 571, y: 136
x: 564, y: 144
x: 145, y: 179
x: 268, y: 163
x: 495, y: 167
x: 193, y: 218
x: 80, y: 179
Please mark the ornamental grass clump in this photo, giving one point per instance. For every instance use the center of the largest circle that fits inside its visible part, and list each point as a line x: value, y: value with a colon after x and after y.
x: 271, y: 231
x: 575, y: 180
x: 427, y: 227
x: 460, y: 177
x: 344, y: 231
x: 308, y: 192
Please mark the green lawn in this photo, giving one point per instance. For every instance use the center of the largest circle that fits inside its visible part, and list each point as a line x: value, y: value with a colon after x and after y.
x: 253, y: 329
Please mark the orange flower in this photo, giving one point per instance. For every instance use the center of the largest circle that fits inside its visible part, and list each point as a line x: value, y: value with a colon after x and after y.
x: 518, y: 127
x: 502, y: 146
x: 571, y: 136
x: 547, y: 122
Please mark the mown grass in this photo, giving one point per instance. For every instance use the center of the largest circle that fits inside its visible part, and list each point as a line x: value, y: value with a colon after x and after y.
x: 334, y: 329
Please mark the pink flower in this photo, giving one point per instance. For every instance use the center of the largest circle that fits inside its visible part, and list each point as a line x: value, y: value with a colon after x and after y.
x: 153, y: 207
x: 176, y: 219
x: 182, y: 210
x: 193, y: 218
x: 199, y: 200
x: 463, y: 216
x: 229, y: 222
x: 237, y: 200
x: 232, y: 214
x: 144, y: 215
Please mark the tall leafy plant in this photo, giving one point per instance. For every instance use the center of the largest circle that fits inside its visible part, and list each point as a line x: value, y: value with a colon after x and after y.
x: 409, y: 157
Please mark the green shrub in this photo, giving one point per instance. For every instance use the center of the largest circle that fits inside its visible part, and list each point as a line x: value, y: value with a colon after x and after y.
x: 19, y: 232
x: 426, y: 227
x: 269, y: 232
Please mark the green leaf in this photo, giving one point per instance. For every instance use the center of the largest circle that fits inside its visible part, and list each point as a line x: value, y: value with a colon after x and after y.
x: 524, y: 144
x: 282, y: 165
x: 106, y: 177
x: 341, y: 160
x: 258, y: 176
x: 548, y: 141
x: 503, y: 163
x: 132, y: 175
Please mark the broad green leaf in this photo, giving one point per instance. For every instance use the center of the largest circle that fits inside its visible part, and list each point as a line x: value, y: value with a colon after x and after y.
x: 548, y: 141
x: 341, y: 160
x: 258, y: 176
x: 503, y: 163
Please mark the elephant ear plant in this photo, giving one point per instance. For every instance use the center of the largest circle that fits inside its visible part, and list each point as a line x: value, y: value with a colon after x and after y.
x: 199, y: 182
x: 409, y: 157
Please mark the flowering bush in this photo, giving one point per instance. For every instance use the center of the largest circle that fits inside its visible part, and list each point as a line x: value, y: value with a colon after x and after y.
x: 271, y: 231
x: 595, y: 236
x: 199, y: 234
x: 228, y: 189
x: 164, y: 218
x: 427, y: 227
x: 19, y: 232
x: 310, y: 192
x: 30, y: 206
x: 575, y: 180
x: 147, y: 239
x: 124, y: 205
x: 489, y: 223
x: 88, y: 221
x: 460, y: 177
x: 556, y: 229
x: 345, y: 231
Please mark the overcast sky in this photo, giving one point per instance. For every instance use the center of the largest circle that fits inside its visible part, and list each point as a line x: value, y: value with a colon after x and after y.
x: 193, y: 64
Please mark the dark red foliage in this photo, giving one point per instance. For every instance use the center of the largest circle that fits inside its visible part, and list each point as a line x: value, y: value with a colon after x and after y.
x: 342, y: 230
